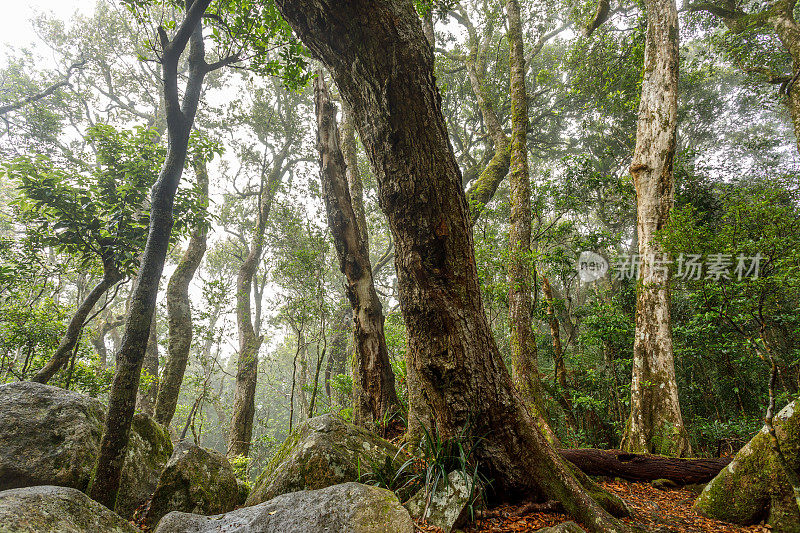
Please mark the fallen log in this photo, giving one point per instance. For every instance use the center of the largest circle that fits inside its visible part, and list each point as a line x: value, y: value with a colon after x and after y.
x: 644, y: 467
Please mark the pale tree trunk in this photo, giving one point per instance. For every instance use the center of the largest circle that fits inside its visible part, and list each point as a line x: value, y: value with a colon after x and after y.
x: 383, y: 67
x: 146, y: 398
x: 179, y: 312
x: 373, y: 384
x: 180, y: 118
x: 244, y: 408
x: 655, y: 424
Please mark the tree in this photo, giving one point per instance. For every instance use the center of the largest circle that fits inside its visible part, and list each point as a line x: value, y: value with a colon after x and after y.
x: 271, y: 177
x: 383, y: 66
x: 97, y: 216
x: 375, y: 396
x: 179, y: 310
x: 655, y: 424
x: 180, y: 118
x: 751, y: 25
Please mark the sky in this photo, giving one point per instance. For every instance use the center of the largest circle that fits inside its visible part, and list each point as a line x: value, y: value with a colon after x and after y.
x: 15, y: 30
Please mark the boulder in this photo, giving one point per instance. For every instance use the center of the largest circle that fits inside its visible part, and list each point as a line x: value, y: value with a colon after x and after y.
x: 449, y: 503
x: 754, y: 487
x: 350, y: 507
x: 324, y: 451
x: 51, y: 436
x: 50, y: 509
x: 195, y: 480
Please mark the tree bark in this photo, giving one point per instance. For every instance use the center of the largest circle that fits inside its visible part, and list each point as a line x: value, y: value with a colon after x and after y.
x: 179, y: 312
x: 383, y: 67
x: 67, y: 345
x: 375, y: 400
x: 524, y: 356
x: 146, y: 398
x: 241, y: 432
x: 180, y: 118
x: 655, y: 424
x: 644, y: 467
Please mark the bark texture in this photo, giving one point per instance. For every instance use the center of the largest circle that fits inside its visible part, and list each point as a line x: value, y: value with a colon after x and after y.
x: 524, y: 357
x: 180, y: 118
x: 375, y: 396
x: 383, y: 67
x: 179, y: 312
x: 244, y: 407
x: 146, y: 397
x: 644, y: 467
x: 655, y: 424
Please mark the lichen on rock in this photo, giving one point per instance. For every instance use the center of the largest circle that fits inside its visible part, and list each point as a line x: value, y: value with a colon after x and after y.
x: 324, y: 451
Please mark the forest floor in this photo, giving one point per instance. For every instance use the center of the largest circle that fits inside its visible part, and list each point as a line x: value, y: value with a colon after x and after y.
x: 656, y: 510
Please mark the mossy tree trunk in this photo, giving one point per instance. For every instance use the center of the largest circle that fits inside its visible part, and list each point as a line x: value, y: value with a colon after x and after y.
x: 524, y: 354
x: 655, y: 424
x: 180, y: 114
x: 373, y: 384
x: 244, y: 408
x: 383, y: 67
x: 179, y: 311
x: 146, y: 398
x: 67, y: 345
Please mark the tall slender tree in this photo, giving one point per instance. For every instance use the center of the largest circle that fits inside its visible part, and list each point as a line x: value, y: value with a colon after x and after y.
x: 179, y: 309
x: 375, y: 396
x: 180, y: 113
x: 655, y: 424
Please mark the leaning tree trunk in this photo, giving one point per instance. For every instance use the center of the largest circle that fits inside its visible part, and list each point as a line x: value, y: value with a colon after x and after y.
x: 179, y: 312
x: 180, y: 118
x: 376, y: 399
x: 655, y: 424
x: 244, y: 398
x: 67, y: 345
x: 524, y: 356
x: 383, y: 67
x: 754, y: 487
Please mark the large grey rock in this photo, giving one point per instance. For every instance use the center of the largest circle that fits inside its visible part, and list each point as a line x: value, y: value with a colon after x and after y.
x: 51, y: 436
x: 449, y: 503
x: 324, y: 451
x: 49, y: 509
x: 345, y: 508
x: 195, y: 480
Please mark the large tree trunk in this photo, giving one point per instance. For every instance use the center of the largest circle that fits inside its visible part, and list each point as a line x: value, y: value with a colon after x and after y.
x: 655, y: 424
x: 180, y: 118
x: 644, y: 467
x: 384, y: 69
x: 244, y: 407
x: 179, y: 312
x: 373, y: 384
x: 67, y: 345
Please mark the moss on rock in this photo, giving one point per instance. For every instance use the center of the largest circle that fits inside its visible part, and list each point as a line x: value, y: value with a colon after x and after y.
x: 753, y: 486
x: 324, y: 451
